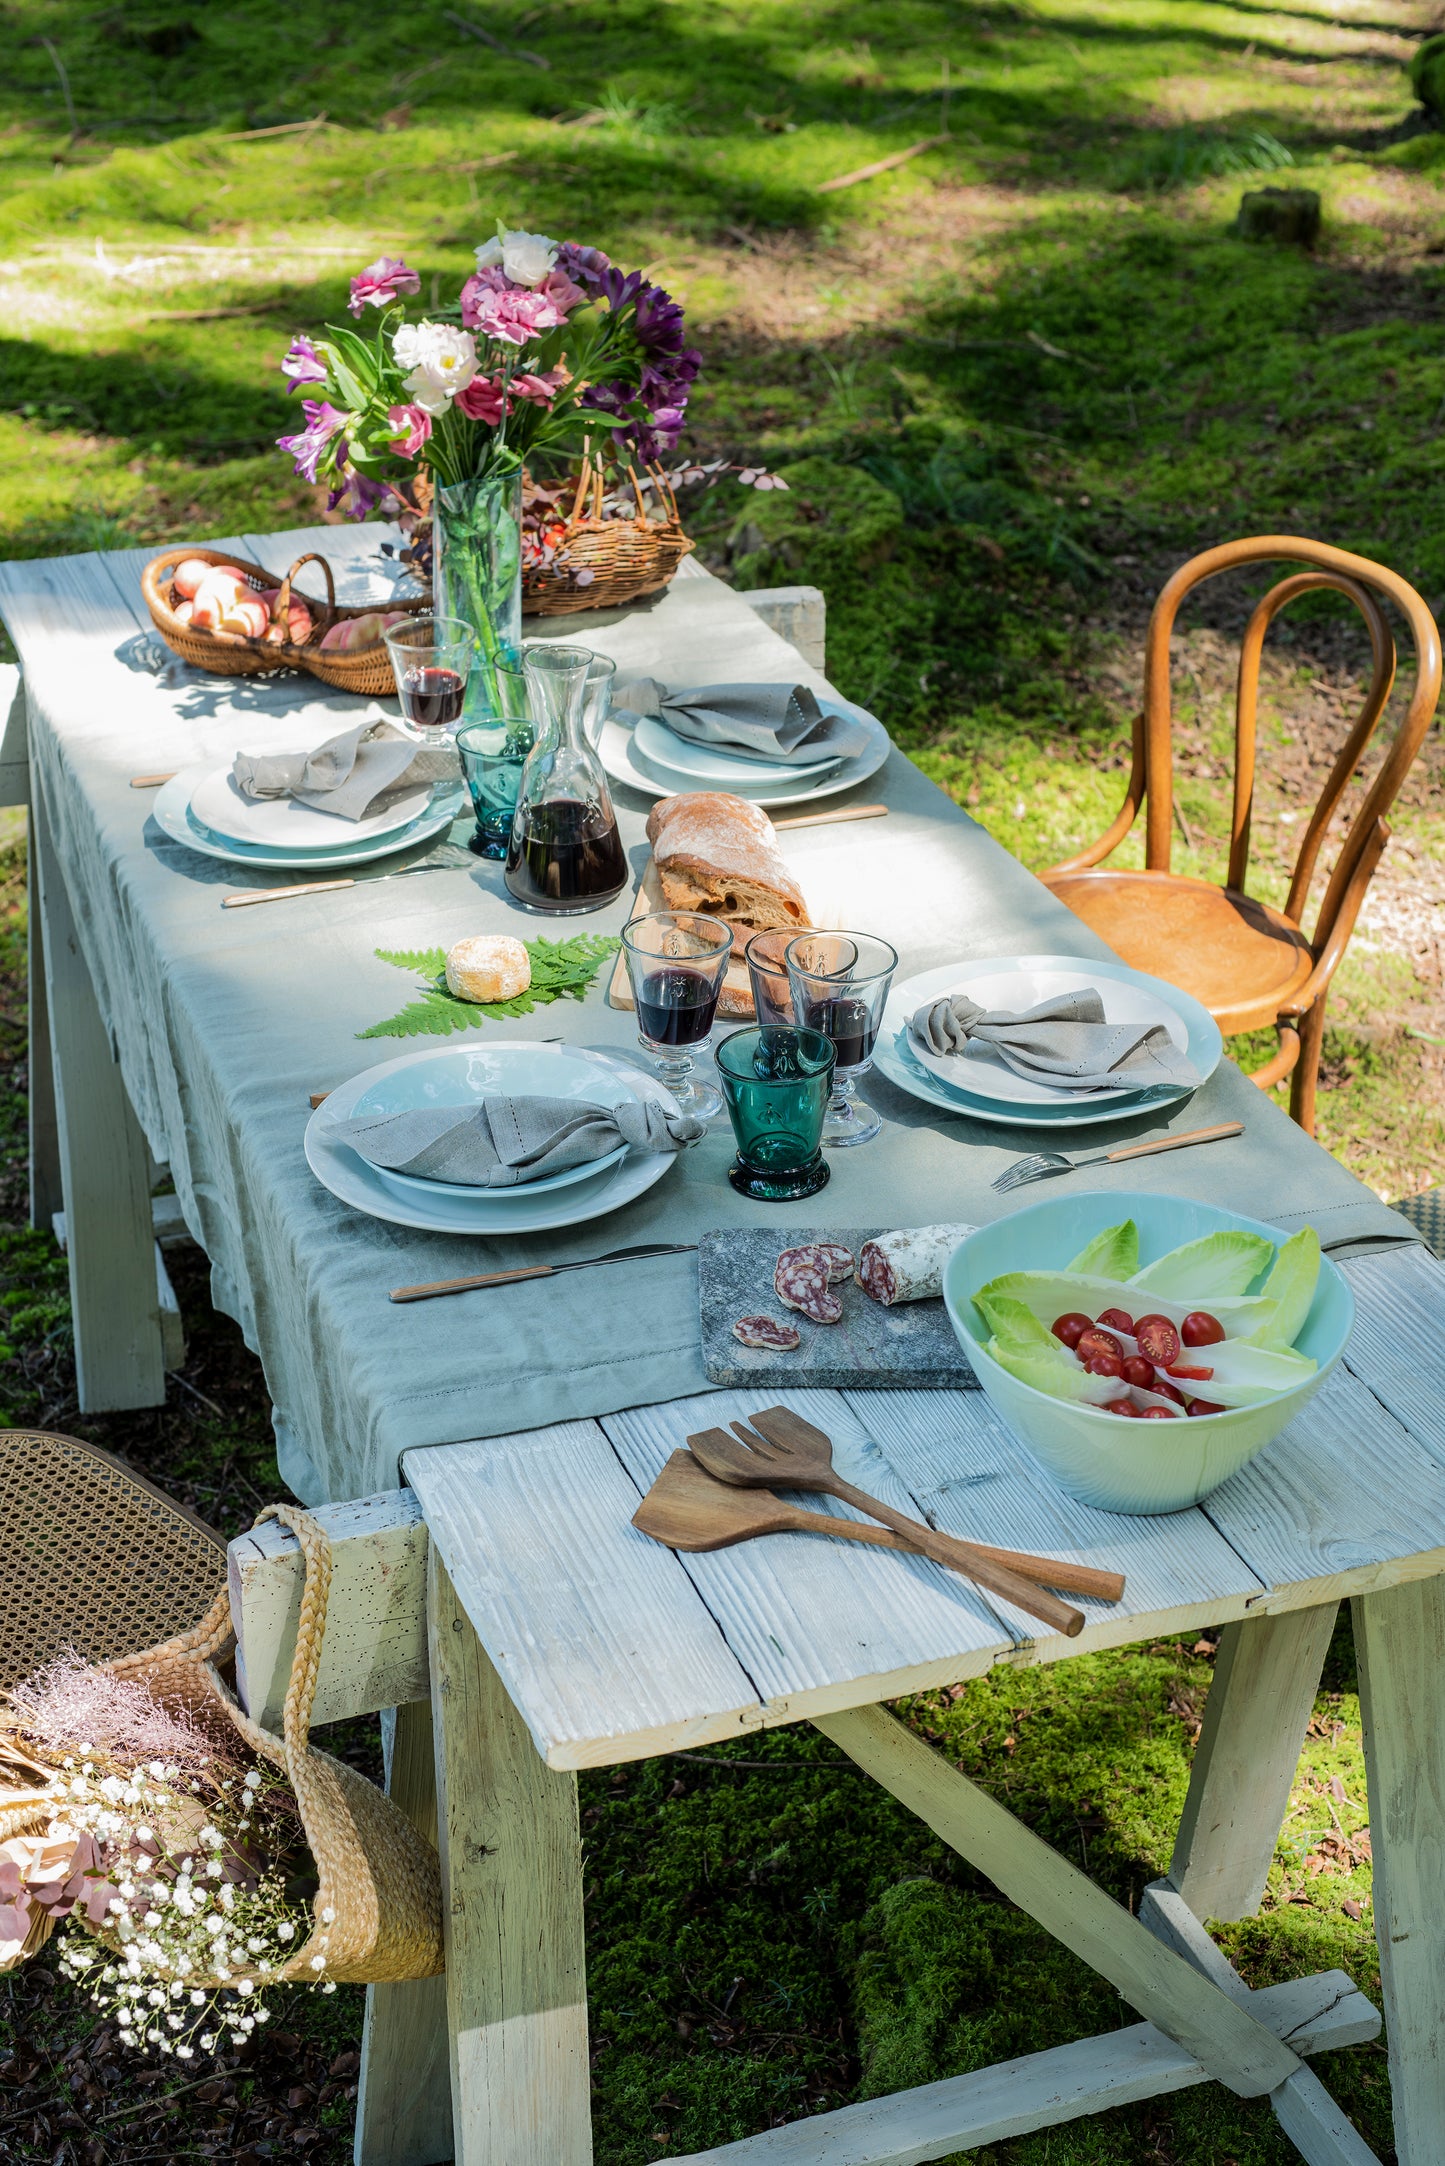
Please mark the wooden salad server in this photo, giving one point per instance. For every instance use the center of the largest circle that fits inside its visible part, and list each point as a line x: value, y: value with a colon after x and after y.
x: 687, y: 1509
x: 755, y: 1460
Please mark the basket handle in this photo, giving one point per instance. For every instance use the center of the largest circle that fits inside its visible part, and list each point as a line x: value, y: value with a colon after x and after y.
x: 311, y: 1624
x: 283, y: 598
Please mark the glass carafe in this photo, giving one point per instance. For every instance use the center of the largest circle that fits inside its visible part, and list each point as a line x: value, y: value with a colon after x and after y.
x: 566, y: 854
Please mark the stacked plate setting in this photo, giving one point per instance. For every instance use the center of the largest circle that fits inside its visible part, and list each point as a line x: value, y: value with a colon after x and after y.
x: 648, y: 756
x: 982, y: 1085
x: 203, y: 808
x: 462, y: 1076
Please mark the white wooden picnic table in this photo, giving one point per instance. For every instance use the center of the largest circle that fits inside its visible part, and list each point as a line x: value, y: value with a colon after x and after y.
x: 503, y: 1604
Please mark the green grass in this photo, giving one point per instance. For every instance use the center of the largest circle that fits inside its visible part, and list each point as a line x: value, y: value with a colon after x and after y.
x: 1013, y: 383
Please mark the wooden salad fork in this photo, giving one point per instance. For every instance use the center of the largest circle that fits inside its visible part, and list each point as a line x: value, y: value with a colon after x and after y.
x: 784, y: 1450
x: 687, y: 1508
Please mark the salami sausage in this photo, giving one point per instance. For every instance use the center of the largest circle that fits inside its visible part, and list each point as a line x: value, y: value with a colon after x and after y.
x: 764, y: 1331
x: 907, y: 1265
x: 800, y: 1280
x: 836, y: 1260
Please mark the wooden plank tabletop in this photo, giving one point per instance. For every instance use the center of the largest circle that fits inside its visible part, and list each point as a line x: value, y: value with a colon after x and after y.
x: 614, y: 1649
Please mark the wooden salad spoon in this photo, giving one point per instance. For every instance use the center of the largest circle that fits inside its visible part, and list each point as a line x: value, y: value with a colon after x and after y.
x: 783, y: 1450
x: 686, y: 1508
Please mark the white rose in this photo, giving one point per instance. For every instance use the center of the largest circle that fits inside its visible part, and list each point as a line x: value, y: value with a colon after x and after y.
x: 442, y: 361
x: 525, y: 257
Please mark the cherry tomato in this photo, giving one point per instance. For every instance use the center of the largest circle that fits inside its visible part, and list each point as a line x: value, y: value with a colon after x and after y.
x: 1139, y: 1371
x: 1158, y: 1340
x: 1166, y: 1390
x: 1191, y: 1376
x: 1104, y: 1365
x: 1071, y: 1328
x: 1123, y: 1406
x: 1156, y: 1413
x: 1204, y: 1406
x: 1118, y: 1320
x: 1094, y: 1341
x: 1201, y: 1329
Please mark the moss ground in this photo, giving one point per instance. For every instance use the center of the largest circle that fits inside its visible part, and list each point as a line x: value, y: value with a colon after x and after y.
x: 1013, y: 382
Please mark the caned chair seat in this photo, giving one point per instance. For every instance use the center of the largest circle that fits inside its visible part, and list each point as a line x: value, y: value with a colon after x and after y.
x: 1239, y: 958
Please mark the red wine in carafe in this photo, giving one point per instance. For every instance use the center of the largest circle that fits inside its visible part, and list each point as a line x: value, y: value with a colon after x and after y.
x: 565, y: 856
x: 676, y: 1006
x: 431, y: 697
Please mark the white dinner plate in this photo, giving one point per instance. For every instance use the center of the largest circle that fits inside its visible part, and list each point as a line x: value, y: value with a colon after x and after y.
x: 172, y: 814
x: 280, y: 823
x: 626, y: 765
x: 896, y: 1056
x: 984, y: 1073
x: 449, y: 1075
x: 714, y: 767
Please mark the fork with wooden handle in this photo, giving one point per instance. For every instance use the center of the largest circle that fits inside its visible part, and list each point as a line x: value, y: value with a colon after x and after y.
x: 802, y: 1458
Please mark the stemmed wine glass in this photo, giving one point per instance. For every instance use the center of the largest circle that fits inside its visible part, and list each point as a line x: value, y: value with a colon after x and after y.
x: 431, y: 658
x: 840, y: 984
x: 677, y: 960
x: 766, y: 956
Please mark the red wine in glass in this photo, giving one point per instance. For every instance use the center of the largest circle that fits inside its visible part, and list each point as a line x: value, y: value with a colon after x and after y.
x: 565, y: 856
x: 431, y: 697
x: 850, y: 1025
x: 676, y: 1006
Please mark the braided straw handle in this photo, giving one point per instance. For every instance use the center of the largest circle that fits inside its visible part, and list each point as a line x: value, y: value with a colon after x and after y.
x: 310, y: 1625
x: 283, y: 616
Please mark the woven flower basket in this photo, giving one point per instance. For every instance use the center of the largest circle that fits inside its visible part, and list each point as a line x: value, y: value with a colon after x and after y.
x: 97, y: 1544
x: 231, y: 654
x: 619, y: 560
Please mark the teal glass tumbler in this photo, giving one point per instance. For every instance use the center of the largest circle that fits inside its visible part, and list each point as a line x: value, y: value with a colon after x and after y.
x: 776, y: 1085
x: 493, y: 746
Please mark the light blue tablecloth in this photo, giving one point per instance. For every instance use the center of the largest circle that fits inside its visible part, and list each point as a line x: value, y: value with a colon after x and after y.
x: 225, y: 1021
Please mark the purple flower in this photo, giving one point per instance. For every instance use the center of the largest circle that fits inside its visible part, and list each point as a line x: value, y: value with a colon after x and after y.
x: 355, y: 495
x: 310, y: 446
x: 302, y: 364
x: 584, y: 266
x: 381, y: 282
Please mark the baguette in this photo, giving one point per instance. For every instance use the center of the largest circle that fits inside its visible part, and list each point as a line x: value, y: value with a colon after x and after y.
x: 718, y: 855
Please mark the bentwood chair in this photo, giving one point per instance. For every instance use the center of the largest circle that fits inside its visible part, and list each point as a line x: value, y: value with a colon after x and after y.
x: 1248, y: 963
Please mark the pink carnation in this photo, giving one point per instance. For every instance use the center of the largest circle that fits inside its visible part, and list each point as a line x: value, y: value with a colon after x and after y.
x: 381, y: 282
x: 510, y: 313
x: 413, y: 427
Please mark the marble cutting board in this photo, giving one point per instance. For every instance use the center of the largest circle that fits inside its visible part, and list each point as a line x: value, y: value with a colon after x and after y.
x: 911, y: 1346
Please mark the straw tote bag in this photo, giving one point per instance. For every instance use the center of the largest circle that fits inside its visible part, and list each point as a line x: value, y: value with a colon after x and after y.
x: 85, y: 1545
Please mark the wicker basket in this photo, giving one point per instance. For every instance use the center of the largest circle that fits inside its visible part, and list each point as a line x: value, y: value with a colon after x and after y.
x: 231, y: 654
x: 627, y: 558
x: 96, y: 1557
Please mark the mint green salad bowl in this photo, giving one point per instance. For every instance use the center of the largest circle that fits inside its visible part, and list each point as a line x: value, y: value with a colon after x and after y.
x: 1130, y: 1466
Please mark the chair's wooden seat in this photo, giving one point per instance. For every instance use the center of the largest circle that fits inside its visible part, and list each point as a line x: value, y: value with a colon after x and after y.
x: 1240, y: 959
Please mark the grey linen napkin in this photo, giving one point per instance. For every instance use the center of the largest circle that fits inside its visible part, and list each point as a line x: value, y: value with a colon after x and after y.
x: 504, y: 1142
x: 780, y: 722
x: 353, y: 775
x: 1064, y: 1041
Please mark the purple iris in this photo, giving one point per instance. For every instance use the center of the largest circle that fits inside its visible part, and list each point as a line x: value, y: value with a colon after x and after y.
x: 302, y: 364
x: 357, y: 496
x: 584, y: 266
x: 312, y: 444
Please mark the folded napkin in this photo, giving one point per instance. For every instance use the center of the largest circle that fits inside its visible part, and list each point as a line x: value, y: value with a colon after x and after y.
x: 354, y: 775
x: 1064, y: 1041
x: 504, y: 1142
x: 779, y: 722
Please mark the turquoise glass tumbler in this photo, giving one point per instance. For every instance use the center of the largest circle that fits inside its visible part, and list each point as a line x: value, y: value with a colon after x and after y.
x: 493, y: 748
x: 776, y: 1085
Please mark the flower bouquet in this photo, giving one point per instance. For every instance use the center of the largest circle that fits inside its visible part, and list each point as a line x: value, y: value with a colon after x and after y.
x: 552, y: 354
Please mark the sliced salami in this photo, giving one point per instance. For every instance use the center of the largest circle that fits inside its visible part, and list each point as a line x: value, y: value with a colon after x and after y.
x: 800, y: 1280
x: 765, y: 1331
x: 907, y: 1265
x: 836, y: 1260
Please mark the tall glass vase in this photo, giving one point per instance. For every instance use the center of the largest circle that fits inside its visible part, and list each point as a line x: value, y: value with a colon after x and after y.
x: 477, y: 572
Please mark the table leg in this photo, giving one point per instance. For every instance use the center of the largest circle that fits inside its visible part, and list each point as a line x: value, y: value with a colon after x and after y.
x: 1266, y: 1675
x: 46, y: 1193
x: 105, y: 1171
x: 1400, y: 1644
x: 404, y: 2105
x: 511, y: 1860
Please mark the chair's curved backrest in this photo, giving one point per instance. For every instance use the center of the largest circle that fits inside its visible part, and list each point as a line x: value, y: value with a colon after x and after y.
x: 1363, y: 581
x: 92, y: 1557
